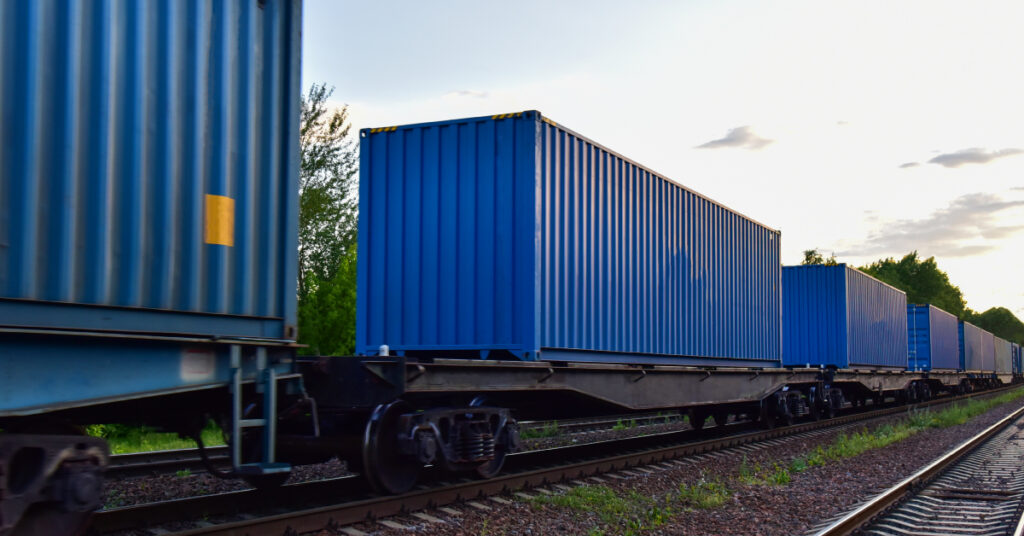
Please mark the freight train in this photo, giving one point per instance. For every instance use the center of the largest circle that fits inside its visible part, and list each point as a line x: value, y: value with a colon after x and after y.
x: 509, y: 268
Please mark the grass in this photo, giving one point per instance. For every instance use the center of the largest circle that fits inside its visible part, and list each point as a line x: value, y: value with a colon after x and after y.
x: 704, y: 494
x: 125, y: 439
x: 629, y: 513
x: 548, y: 430
x: 619, y: 425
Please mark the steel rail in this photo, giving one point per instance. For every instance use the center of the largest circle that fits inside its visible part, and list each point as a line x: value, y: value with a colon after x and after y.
x: 523, y: 470
x: 164, y: 461
x: 864, y: 514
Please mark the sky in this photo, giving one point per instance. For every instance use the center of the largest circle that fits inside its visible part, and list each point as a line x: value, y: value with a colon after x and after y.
x: 863, y: 129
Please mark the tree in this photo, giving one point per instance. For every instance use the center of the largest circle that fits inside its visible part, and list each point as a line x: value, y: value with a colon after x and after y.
x: 921, y: 280
x: 328, y: 215
x: 813, y: 256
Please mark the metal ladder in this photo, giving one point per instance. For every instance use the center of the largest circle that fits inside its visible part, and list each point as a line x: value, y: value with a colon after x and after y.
x: 266, y: 383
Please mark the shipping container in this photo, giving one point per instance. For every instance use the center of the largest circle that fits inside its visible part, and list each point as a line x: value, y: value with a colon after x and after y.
x: 511, y: 236
x: 1003, y: 355
x: 933, y: 338
x: 972, y: 349
x: 148, y: 200
x: 838, y: 316
x: 149, y: 152
x: 1016, y: 359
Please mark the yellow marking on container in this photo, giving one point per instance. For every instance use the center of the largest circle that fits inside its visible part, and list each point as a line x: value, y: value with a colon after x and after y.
x: 506, y: 116
x: 220, y: 220
x: 383, y: 129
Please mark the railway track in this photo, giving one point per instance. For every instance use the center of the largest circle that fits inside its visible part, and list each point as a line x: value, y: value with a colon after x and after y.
x: 301, y: 507
x: 975, y: 489
x: 171, y: 461
x: 165, y: 461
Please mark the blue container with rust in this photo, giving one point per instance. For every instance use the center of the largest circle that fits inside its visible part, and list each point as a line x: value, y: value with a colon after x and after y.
x: 150, y: 155
x: 933, y: 338
x: 511, y: 236
x: 837, y: 316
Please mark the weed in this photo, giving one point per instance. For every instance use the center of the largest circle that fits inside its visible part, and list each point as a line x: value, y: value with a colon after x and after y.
x: 629, y: 514
x: 704, y: 494
x: 125, y: 439
x: 183, y: 472
x: 779, y: 476
x: 548, y: 430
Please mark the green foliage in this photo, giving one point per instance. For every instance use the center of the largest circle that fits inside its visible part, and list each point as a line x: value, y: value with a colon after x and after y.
x: 1001, y: 321
x: 921, y: 280
x: 704, y: 494
x: 548, y: 430
x: 630, y: 513
x: 758, y: 476
x: 328, y: 217
x: 620, y: 425
x: 183, y: 473
x: 813, y: 256
x: 125, y: 439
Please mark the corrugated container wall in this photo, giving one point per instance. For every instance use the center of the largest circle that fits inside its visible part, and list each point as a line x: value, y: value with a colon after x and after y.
x: 933, y: 338
x: 971, y: 347
x: 1016, y: 358
x: 513, y: 235
x: 1003, y: 355
x: 988, y: 351
x: 838, y: 316
x: 150, y: 155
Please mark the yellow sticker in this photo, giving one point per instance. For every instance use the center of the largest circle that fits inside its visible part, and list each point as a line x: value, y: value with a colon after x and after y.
x: 220, y: 220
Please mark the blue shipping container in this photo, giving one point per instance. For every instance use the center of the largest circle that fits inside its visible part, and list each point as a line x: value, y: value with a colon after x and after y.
x: 148, y: 199
x: 933, y: 337
x: 1016, y: 358
x: 1003, y: 355
x: 841, y: 317
x: 511, y: 236
x: 971, y: 347
x: 149, y: 154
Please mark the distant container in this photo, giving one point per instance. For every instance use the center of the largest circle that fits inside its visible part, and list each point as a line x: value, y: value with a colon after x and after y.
x: 512, y: 236
x: 150, y: 155
x: 1003, y: 355
x: 841, y: 317
x: 973, y: 348
x: 933, y: 338
x: 1016, y: 358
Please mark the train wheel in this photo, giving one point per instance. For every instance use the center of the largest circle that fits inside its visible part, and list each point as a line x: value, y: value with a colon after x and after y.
x: 721, y: 418
x: 385, y: 467
x: 493, y: 467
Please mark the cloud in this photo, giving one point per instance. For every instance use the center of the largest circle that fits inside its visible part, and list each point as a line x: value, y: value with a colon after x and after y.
x: 909, y: 165
x: 469, y: 93
x: 968, y: 226
x: 740, y: 137
x: 973, y: 155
